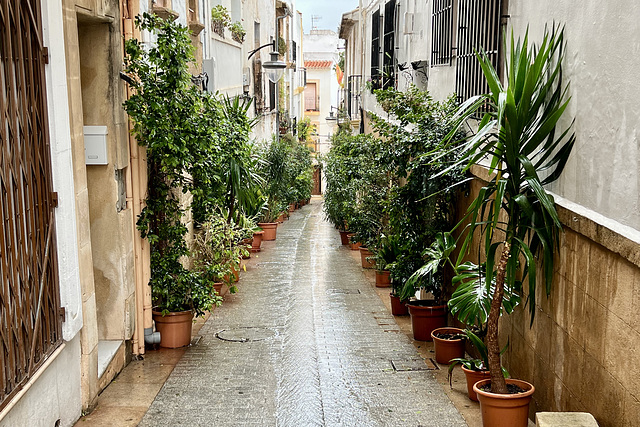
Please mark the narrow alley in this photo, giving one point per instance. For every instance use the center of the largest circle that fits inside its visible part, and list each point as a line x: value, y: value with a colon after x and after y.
x: 305, y: 342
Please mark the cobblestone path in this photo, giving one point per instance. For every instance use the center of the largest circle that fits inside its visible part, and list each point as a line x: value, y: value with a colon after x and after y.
x: 316, y: 348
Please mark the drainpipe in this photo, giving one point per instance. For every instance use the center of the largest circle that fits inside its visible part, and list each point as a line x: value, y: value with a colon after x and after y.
x: 136, y: 189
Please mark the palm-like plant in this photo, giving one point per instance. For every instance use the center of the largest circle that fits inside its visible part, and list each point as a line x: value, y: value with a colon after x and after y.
x: 518, y: 137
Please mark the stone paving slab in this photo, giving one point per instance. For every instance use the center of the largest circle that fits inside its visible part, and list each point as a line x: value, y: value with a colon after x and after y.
x: 329, y: 360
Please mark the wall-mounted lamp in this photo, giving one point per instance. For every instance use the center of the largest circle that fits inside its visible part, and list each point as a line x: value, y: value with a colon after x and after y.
x: 274, y: 68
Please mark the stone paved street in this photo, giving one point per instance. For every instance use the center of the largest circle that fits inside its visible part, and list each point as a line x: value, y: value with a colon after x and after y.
x: 318, y: 348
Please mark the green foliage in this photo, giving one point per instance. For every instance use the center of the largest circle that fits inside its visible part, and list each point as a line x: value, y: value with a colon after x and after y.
x: 237, y: 32
x: 525, y: 150
x: 305, y: 130
x: 288, y: 174
x: 218, y: 249
x: 282, y: 46
x: 177, y: 124
x: 220, y: 14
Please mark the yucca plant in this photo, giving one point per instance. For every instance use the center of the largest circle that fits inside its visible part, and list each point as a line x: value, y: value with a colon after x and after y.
x: 520, y: 141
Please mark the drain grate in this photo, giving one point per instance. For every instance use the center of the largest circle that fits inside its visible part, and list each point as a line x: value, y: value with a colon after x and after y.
x: 402, y: 365
x: 246, y: 334
x: 343, y: 291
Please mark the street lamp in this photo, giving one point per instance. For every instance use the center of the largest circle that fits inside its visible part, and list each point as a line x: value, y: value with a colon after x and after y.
x: 274, y: 68
x: 331, y: 117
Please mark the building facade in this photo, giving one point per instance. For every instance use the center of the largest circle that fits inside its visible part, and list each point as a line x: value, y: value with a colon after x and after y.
x: 571, y: 354
x: 74, y: 271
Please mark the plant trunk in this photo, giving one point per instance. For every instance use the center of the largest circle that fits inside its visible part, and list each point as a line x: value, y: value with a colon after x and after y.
x: 498, y: 384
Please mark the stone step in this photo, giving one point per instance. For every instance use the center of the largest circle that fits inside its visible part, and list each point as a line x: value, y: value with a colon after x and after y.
x: 565, y: 419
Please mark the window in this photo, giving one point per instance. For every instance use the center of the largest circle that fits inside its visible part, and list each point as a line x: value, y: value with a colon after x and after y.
x: 478, y: 27
x: 441, y: 32
x: 389, y: 52
x: 375, y: 50
x: 311, y: 97
x: 272, y: 95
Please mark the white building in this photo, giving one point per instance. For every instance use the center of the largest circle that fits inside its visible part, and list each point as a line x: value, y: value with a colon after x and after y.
x: 321, y: 94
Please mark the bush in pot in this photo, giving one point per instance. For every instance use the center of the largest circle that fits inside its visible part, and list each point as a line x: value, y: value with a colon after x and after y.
x: 519, y: 138
x: 164, y: 110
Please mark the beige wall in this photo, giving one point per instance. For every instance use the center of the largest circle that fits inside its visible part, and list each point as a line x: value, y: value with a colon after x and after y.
x: 583, y: 350
x: 93, y: 51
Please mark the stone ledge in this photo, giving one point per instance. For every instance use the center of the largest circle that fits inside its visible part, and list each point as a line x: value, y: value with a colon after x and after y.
x: 565, y: 419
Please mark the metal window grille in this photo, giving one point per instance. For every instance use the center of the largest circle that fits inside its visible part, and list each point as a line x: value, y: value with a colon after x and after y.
x: 375, y: 50
x: 441, y: 32
x: 478, y: 27
x: 389, y: 52
x: 354, y: 84
x: 294, y: 51
x: 30, y: 322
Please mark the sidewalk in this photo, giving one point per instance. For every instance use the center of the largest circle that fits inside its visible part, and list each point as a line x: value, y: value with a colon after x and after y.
x: 306, y: 341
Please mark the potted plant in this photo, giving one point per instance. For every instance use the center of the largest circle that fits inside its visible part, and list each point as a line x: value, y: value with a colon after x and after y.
x: 237, y: 32
x: 519, y: 139
x: 385, y: 256
x: 219, y: 19
x: 448, y: 344
x: 164, y: 100
x: 429, y: 313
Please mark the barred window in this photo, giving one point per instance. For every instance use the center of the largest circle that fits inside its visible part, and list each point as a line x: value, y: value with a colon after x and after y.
x: 478, y: 27
x: 389, y: 52
x: 441, y: 32
x: 375, y: 50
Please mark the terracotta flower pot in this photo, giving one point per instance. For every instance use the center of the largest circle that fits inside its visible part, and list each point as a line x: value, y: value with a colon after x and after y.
x: 218, y: 288
x: 447, y: 349
x: 505, y: 410
x: 344, y: 239
x: 174, y: 328
x: 292, y: 207
x: 269, y: 229
x: 364, y: 254
x: 424, y: 319
x: 472, y: 378
x: 383, y: 279
x: 354, y: 245
x: 257, y: 241
x: 398, y: 308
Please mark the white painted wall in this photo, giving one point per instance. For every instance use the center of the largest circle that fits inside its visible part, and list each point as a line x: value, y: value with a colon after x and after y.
x: 51, y: 396
x: 62, y: 167
x: 602, y: 62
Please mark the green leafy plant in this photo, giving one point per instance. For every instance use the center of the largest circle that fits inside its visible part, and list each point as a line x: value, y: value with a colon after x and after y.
x: 218, y: 248
x: 387, y: 253
x: 475, y: 364
x: 237, y: 32
x: 177, y: 124
x: 220, y: 19
x: 525, y: 150
x: 430, y: 275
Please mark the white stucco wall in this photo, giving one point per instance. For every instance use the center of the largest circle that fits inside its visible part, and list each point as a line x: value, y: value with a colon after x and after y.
x: 53, y: 395
x: 602, y: 62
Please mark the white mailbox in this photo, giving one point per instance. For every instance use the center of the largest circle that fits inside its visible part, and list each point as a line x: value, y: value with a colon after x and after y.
x: 95, y: 145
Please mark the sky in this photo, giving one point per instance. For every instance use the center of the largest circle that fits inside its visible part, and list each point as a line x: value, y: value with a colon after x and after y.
x: 330, y: 10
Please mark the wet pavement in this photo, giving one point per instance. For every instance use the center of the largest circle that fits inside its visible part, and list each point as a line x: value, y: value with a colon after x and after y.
x: 306, y: 341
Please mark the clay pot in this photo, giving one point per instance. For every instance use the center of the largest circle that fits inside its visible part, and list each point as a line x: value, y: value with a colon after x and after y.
x: 269, y: 229
x: 292, y: 207
x: 424, y: 319
x: 398, y: 308
x: 352, y: 244
x: 447, y: 349
x: 472, y: 378
x: 383, y: 279
x: 257, y: 241
x: 364, y: 254
x: 174, y: 328
x: 505, y: 410
x: 218, y: 288
x: 344, y: 239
